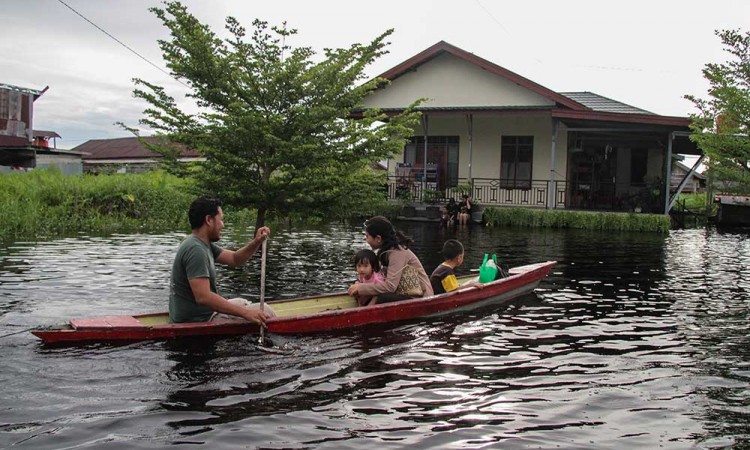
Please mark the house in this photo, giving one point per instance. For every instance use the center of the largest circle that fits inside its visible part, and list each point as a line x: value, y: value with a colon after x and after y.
x: 17, y: 147
x: 512, y: 142
x: 127, y: 155
x: 693, y: 181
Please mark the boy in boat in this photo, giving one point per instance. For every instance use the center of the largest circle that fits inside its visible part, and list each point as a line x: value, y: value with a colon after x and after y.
x: 193, y: 296
x: 443, y: 278
x: 368, y: 271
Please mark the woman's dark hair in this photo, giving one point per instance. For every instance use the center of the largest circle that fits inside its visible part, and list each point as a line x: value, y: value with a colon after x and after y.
x: 369, y: 256
x: 200, y: 208
x: 392, y: 239
x: 452, y: 249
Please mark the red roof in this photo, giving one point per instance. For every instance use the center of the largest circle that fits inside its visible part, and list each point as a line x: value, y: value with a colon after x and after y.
x: 123, y: 148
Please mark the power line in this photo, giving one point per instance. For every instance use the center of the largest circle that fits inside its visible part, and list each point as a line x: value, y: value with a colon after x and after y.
x: 122, y: 43
x: 492, y: 16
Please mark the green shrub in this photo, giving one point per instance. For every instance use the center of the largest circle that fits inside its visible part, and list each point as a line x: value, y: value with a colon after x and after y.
x: 695, y: 203
x: 528, y: 217
x: 46, y: 203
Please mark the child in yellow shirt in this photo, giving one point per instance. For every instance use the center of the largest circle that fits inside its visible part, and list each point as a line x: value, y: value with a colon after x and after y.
x: 443, y: 279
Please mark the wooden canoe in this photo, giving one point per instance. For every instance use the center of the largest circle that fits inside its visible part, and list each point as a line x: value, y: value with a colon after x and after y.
x: 302, y: 315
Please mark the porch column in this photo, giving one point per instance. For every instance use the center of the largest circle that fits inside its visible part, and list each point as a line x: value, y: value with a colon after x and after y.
x: 551, y: 184
x: 470, y: 126
x: 668, y: 176
x: 424, y: 165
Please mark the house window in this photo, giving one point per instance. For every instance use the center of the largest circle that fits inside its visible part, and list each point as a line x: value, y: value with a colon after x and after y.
x: 441, y: 151
x: 638, y: 165
x: 515, y: 162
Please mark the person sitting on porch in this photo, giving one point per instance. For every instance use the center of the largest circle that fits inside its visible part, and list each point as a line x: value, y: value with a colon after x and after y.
x: 464, y: 213
x: 404, y: 274
x: 450, y: 213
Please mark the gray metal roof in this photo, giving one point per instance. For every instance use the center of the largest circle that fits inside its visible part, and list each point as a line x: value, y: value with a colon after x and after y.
x: 604, y: 104
x: 24, y: 90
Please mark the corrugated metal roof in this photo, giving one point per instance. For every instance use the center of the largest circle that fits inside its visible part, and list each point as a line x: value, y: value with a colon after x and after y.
x: 24, y: 90
x: 604, y: 104
x: 44, y: 133
x: 480, y: 108
x: 469, y: 108
x: 121, y: 148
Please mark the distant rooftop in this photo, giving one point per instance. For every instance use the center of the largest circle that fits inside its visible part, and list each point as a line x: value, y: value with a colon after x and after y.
x: 603, y: 104
x: 123, y: 148
x: 24, y: 90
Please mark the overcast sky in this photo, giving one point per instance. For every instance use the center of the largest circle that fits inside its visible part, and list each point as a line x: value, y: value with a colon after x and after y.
x: 646, y: 53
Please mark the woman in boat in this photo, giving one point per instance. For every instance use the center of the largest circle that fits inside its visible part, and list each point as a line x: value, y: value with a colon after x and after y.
x: 405, y: 277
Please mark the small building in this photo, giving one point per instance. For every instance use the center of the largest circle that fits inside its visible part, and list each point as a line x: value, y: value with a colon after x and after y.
x: 17, y: 140
x: 127, y: 155
x: 695, y: 183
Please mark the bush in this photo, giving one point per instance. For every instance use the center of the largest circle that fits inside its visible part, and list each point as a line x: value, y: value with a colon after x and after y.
x: 45, y: 203
x: 695, y: 203
x: 527, y: 217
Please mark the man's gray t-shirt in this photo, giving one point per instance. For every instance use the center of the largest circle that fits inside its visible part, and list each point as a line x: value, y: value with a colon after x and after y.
x: 194, y: 259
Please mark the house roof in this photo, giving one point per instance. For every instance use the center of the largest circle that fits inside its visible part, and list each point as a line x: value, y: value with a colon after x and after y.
x: 122, y: 148
x: 443, y: 47
x: 687, y: 169
x: 43, y: 133
x: 601, y: 103
x: 574, y: 108
x: 36, y: 93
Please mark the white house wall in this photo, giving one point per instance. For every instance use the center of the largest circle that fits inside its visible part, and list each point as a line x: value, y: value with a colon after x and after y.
x: 448, y: 81
x: 487, y: 138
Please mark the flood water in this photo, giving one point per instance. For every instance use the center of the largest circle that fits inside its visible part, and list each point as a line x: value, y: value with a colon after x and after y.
x: 633, y: 341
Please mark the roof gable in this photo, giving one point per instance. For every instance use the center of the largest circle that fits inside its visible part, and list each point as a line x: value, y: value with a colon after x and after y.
x: 510, y: 80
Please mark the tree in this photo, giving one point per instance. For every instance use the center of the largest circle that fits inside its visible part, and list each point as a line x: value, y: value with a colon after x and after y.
x: 275, y: 126
x: 722, y: 126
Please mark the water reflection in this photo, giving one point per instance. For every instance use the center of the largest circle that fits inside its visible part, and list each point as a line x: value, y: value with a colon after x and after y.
x: 634, y: 340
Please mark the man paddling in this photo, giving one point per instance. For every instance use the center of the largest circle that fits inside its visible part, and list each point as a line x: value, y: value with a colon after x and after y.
x: 193, y: 296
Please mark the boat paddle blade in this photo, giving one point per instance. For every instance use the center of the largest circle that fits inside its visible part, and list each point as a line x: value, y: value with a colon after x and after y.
x: 266, y: 345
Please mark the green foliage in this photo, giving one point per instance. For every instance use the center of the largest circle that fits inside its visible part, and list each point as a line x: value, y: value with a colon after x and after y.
x: 696, y: 203
x: 277, y: 124
x: 45, y: 203
x: 722, y: 126
x: 432, y: 196
x: 527, y: 217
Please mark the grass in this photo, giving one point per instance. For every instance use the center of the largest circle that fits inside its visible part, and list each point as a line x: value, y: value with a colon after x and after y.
x: 527, y: 217
x: 695, y: 203
x: 45, y: 203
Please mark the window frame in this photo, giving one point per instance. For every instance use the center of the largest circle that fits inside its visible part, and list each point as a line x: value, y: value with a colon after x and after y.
x: 514, y: 145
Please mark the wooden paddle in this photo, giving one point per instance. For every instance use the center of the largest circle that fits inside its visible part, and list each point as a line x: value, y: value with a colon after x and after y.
x: 262, y: 286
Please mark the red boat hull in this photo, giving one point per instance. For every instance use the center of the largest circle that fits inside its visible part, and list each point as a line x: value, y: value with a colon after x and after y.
x: 134, y: 328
